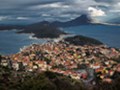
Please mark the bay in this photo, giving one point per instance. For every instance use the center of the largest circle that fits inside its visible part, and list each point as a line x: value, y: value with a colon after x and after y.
x: 11, y: 42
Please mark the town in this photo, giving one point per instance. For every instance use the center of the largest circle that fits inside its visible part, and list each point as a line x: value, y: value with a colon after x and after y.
x: 89, y: 63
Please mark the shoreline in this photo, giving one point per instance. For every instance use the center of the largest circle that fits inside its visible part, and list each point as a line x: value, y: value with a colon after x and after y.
x: 61, y: 37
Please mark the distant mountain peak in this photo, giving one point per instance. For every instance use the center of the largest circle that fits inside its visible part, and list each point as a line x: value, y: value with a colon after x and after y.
x: 83, y: 19
x: 83, y: 16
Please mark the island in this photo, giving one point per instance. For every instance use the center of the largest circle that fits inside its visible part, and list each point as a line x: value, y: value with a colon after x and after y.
x: 45, y: 29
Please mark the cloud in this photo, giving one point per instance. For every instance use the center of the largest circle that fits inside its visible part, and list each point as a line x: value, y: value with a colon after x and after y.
x: 115, y: 8
x: 107, y: 1
x: 45, y: 15
x: 3, y: 18
x: 96, y: 12
x: 50, y: 5
x: 38, y: 10
x: 22, y: 18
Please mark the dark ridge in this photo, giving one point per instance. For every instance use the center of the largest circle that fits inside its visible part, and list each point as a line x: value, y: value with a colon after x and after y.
x: 82, y: 40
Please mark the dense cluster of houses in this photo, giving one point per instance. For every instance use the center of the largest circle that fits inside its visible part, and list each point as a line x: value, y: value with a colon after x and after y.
x: 78, y: 62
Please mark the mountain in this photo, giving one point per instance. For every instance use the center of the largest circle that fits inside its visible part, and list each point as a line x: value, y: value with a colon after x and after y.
x: 81, y: 20
x: 47, y: 29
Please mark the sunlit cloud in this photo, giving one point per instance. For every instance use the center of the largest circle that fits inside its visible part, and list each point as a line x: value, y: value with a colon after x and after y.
x: 96, y: 12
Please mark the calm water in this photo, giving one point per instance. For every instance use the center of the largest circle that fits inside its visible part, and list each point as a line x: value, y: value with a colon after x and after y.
x: 10, y: 42
x: 109, y: 35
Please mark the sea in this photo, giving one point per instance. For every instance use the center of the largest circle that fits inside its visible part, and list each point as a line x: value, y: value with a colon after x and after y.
x: 108, y: 34
x: 11, y: 42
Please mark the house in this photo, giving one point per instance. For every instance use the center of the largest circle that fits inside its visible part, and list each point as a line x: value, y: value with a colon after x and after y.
x: 95, y: 66
x: 15, y: 66
x: 4, y: 62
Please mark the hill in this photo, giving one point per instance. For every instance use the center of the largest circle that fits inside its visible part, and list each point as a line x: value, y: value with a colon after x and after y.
x: 82, y: 40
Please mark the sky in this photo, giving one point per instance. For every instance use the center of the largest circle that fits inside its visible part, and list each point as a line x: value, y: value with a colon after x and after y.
x: 29, y: 11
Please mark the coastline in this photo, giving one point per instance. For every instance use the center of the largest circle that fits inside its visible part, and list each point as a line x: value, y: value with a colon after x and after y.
x: 56, y: 40
x: 81, y: 63
x: 45, y: 40
x: 61, y: 37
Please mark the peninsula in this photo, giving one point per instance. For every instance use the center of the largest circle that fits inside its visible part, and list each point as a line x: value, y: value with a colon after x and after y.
x: 61, y: 66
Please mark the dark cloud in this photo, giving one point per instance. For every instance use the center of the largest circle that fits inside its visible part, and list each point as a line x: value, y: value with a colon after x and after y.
x: 107, y: 1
